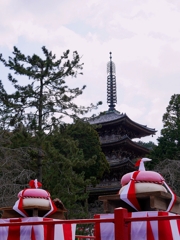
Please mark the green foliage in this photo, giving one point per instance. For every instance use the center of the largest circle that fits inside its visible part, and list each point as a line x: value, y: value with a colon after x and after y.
x: 88, y: 140
x: 41, y: 104
x: 150, y: 145
x: 75, y: 160
x: 59, y: 176
x: 169, y: 141
x: 69, y: 156
x: 41, y: 101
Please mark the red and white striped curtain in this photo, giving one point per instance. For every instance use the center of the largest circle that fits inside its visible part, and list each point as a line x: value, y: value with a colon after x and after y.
x: 36, y: 232
x: 146, y: 230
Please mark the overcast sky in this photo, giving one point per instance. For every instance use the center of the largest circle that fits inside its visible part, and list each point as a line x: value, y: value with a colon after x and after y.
x: 143, y: 36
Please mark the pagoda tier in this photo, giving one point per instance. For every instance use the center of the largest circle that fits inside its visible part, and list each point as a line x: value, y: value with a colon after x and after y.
x: 124, y: 148
x: 110, y: 183
x: 115, y: 124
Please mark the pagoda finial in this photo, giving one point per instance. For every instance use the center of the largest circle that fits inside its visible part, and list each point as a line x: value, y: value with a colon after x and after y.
x: 111, y: 84
x: 110, y: 56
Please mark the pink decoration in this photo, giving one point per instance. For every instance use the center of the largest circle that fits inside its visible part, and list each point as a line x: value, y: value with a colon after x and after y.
x: 143, y: 176
x: 34, y: 192
x: 129, y: 180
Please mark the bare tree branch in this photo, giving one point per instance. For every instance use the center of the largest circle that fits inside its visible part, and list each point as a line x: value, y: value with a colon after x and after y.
x: 170, y: 170
x: 15, y: 173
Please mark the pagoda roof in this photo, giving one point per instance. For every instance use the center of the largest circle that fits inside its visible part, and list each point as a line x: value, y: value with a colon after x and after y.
x: 123, y: 167
x: 125, y: 140
x: 116, y: 118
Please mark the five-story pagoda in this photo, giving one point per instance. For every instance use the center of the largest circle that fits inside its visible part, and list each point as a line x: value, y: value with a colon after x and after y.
x: 116, y: 133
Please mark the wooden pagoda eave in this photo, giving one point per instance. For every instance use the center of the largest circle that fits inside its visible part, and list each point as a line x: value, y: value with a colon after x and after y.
x: 128, y: 164
x: 125, y: 121
x: 129, y: 144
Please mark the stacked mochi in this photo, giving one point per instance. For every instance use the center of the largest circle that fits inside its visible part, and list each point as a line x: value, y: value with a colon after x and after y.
x: 34, y: 197
x: 143, y: 181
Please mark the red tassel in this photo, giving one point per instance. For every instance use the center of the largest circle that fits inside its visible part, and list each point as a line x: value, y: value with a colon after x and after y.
x: 32, y: 184
x: 138, y: 163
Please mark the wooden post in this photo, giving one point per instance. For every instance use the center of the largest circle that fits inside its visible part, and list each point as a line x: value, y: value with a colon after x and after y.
x: 120, y: 227
x: 97, y: 233
x: 35, y: 212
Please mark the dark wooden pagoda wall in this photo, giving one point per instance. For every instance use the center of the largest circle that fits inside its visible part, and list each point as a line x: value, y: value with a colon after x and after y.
x: 116, y: 154
x: 109, y: 133
x: 115, y: 174
x: 110, y: 184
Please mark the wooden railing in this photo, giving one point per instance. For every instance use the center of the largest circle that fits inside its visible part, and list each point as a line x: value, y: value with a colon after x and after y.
x: 120, y: 220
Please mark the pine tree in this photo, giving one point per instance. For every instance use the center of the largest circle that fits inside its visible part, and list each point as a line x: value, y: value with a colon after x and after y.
x: 75, y: 161
x: 41, y: 103
x: 59, y: 176
x: 95, y: 162
x: 169, y: 141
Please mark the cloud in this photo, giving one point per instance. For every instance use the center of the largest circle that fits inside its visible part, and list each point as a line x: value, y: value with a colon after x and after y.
x: 143, y: 35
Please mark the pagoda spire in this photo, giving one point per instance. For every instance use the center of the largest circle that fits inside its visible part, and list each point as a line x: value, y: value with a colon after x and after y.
x: 111, y: 84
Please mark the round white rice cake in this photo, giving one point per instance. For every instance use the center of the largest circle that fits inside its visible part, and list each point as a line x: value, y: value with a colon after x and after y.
x: 29, y: 202
x: 146, y: 187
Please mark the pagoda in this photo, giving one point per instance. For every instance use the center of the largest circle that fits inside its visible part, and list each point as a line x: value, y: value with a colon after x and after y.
x: 116, y: 133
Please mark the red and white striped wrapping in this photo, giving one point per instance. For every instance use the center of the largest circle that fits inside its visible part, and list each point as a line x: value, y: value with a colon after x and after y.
x: 128, y: 194
x: 36, y: 232
x: 144, y: 230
